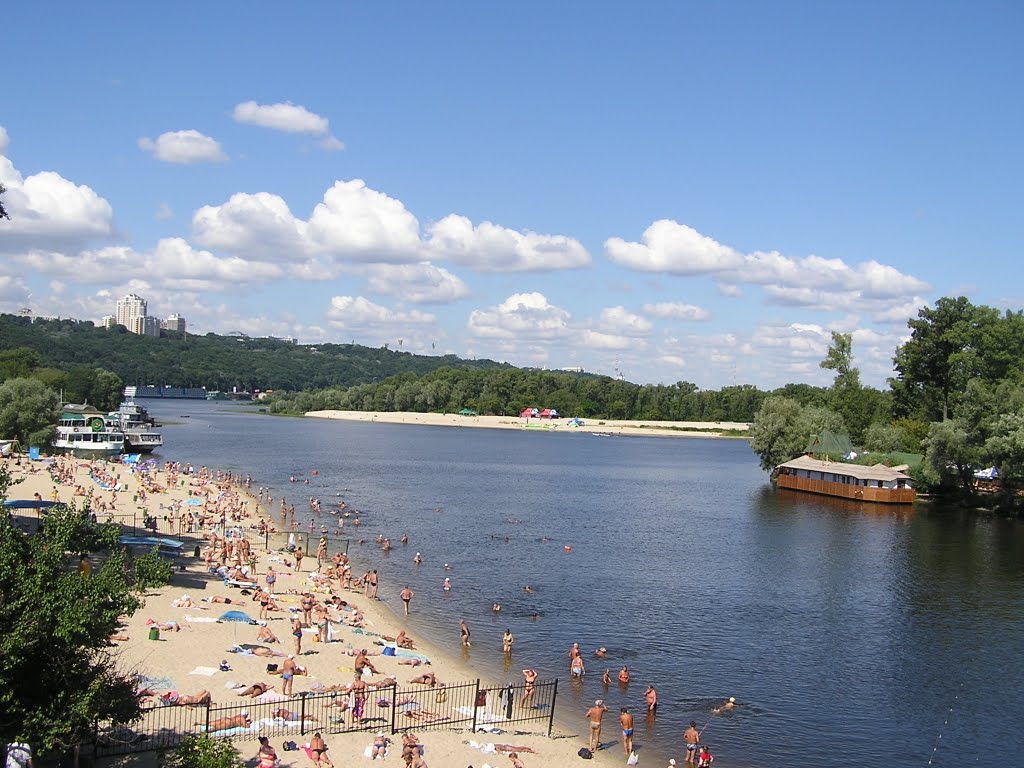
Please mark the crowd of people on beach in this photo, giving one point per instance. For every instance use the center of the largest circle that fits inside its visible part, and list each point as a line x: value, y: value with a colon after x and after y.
x: 222, y: 508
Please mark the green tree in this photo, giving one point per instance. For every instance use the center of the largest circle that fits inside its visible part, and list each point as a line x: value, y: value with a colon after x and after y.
x: 782, y: 429
x: 3, y: 211
x: 840, y: 359
x: 28, y: 411
x: 950, y: 456
x: 949, y: 346
x: 58, y: 677
x: 202, y: 751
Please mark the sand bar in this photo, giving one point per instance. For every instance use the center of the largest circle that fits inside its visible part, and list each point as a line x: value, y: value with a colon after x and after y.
x: 614, y: 427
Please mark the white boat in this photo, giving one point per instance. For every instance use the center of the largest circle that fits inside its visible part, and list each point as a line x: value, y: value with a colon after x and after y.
x: 84, y: 431
x: 140, y: 434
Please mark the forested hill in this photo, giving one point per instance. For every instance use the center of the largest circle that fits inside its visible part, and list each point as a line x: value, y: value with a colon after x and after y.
x: 212, y: 361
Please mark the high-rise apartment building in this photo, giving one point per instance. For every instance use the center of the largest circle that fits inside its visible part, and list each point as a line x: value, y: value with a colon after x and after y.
x: 174, y: 323
x: 129, y: 308
x: 145, y: 326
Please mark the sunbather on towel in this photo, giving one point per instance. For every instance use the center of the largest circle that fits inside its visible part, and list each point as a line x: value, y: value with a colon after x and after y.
x: 292, y: 717
x: 255, y: 650
x: 241, y: 720
x: 256, y: 689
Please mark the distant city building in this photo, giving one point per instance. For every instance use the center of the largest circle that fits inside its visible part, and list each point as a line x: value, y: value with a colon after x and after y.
x: 108, y: 321
x: 145, y: 326
x: 129, y: 308
x: 576, y: 369
x: 174, y: 323
x: 285, y: 339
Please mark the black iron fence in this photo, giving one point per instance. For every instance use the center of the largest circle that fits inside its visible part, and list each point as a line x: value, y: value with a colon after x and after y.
x: 392, y: 708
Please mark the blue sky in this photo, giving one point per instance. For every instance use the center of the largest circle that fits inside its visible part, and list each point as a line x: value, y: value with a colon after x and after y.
x: 685, y: 191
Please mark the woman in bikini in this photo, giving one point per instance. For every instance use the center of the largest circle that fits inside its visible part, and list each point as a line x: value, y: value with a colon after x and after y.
x: 318, y: 751
x: 297, y: 634
x: 528, y: 688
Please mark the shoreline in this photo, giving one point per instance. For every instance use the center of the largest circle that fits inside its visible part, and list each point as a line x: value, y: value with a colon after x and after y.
x: 602, y: 427
x: 202, y: 642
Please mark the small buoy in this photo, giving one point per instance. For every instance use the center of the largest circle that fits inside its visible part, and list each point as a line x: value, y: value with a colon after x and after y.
x: 568, y: 548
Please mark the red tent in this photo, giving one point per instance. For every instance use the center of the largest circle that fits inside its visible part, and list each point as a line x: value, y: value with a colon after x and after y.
x: 527, y: 413
x: 545, y: 414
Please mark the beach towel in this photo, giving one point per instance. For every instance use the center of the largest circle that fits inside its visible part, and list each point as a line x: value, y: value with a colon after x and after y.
x: 239, y: 616
x: 270, y: 697
x: 208, y: 671
x: 201, y: 619
x: 155, y: 682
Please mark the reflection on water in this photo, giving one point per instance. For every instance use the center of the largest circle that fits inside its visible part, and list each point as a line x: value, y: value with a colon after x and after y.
x: 846, y: 631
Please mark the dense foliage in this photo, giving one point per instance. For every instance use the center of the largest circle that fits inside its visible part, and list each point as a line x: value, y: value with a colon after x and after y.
x: 28, y: 411
x: 202, y: 751
x: 506, y: 392
x: 211, y: 361
x: 58, y: 677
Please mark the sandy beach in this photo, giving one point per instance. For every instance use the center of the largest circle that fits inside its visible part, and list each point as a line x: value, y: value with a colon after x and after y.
x: 193, y: 643
x: 594, y: 426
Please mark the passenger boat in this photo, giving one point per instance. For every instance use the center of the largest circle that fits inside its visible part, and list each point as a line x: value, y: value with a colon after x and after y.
x: 140, y: 434
x: 877, y: 483
x: 85, y: 432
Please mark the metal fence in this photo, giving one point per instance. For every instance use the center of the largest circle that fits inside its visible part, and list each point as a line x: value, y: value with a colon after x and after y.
x: 392, y: 708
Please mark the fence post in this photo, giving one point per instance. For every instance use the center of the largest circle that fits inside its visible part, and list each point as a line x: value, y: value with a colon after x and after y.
x: 394, y: 705
x: 302, y: 714
x: 476, y: 700
x: 551, y: 717
x: 207, y: 717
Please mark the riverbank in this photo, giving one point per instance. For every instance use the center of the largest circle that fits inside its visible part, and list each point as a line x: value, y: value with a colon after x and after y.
x: 609, y: 427
x: 188, y: 654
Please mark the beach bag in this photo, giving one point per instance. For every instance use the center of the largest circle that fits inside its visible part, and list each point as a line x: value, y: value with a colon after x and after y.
x: 585, y: 753
x: 271, y: 667
x: 634, y: 758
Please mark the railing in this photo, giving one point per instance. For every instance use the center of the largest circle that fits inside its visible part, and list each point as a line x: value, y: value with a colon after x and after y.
x: 848, y: 490
x: 393, y: 708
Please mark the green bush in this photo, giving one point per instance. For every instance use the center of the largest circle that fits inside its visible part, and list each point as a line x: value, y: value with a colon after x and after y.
x: 202, y: 751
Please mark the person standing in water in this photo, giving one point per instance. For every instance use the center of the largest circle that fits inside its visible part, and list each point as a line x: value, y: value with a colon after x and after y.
x: 692, y: 738
x: 464, y: 632
x: 506, y: 642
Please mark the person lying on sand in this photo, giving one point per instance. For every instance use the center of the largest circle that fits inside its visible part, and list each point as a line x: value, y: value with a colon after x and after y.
x: 177, y: 699
x: 292, y: 717
x: 121, y: 638
x: 413, y: 662
x: 255, y: 650
x: 427, y: 678
x: 241, y: 720
x: 186, y: 602
x: 256, y: 689
x: 167, y: 626
x: 215, y: 599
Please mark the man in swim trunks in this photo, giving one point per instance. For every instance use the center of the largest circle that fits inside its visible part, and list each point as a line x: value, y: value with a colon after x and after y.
x: 691, y: 737
x: 406, y: 595
x: 594, y: 714
x: 626, y: 721
x: 297, y: 634
x: 256, y: 689
x: 651, y: 697
x: 287, y: 675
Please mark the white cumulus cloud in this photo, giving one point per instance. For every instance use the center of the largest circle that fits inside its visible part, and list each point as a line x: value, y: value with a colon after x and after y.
x: 676, y: 311
x: 667, y: 246
x: 422, y: 283
x: 358, y: 313
x: 184, y: 147
x: 283, y: 116
x: 488, y: 247
x: 48, y: 211
x: 524, y: 316
x: 288, y: 118
x: 5, y: 140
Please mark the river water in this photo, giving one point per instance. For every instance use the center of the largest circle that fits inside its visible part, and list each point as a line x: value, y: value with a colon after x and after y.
x: 848, y: 633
